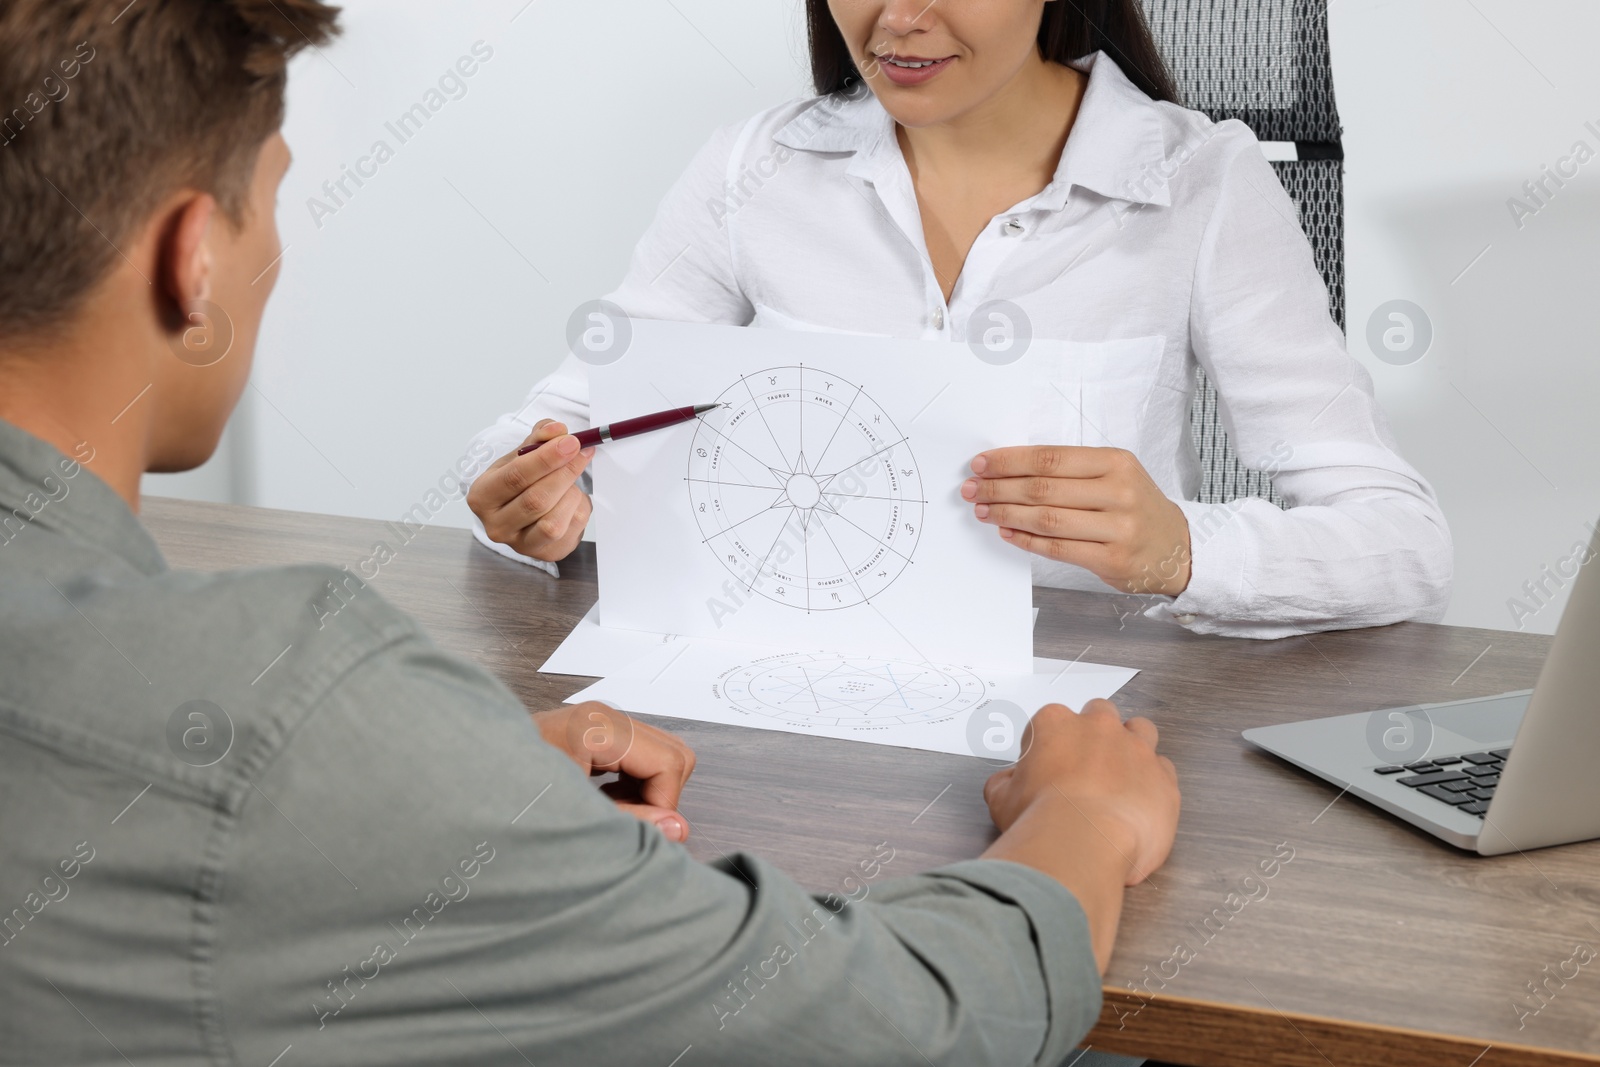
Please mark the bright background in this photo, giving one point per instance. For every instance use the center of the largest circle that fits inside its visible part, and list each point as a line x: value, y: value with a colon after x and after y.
x: 440, y: 290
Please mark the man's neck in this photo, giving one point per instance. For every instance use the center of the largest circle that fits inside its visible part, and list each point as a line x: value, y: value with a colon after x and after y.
x: 71, y: 397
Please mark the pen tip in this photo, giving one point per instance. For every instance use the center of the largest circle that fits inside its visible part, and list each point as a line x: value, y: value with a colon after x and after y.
x: 701, y: 409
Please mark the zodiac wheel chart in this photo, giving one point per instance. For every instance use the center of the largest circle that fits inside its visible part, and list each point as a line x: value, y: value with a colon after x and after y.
x: 833, y: 689
x: 805, y: 489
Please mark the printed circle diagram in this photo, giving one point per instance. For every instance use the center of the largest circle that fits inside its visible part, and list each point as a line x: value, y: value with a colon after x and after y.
x: 805, y: 489
x: 833, y: 689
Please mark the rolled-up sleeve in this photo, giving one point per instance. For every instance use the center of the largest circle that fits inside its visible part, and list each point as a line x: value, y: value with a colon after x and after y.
x: 417, y: 878
x: 1031, y: 948
x: 1363, y: 541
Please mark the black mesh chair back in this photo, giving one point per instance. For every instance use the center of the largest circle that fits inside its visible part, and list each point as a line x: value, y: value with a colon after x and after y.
x: 1264, y: 62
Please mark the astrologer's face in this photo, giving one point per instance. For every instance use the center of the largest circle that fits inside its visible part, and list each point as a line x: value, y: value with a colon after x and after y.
x: 933, y: 61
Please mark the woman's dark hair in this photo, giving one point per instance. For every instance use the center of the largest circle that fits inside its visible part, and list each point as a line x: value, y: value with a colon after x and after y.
x: 1069, y: 30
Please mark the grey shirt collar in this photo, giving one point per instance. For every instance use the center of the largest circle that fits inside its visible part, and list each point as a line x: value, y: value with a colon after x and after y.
x: 39, y: 485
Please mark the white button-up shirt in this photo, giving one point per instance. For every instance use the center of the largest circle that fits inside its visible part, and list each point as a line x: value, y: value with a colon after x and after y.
x: 1164, y: 241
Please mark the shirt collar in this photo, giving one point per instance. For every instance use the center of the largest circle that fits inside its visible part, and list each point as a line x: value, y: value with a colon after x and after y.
x: 851, y: 120
x: 41, y: 486
x: 1115, y: 147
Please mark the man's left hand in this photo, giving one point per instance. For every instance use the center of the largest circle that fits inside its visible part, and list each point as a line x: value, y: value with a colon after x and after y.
x: 653, y: 765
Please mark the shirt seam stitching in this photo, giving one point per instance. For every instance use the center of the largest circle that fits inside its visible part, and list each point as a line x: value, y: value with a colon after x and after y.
x: 211, y: 876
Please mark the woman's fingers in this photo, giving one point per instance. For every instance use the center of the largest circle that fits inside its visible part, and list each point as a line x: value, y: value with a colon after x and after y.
x: 538, y: 488
x: 1090, y: 555
x: 1049, y: 461
x: 543, y: 430
x: 531, y: 502
x: 554, y: 526
x: 1065, y: 523
x: 1095, y: 508
x: 548, y: 469
x: 511, y: 475
x: 1089, y: 494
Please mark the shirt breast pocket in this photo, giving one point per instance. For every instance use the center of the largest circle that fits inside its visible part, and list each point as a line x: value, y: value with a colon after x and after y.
x: 1094, y: 393
x: 770, y: 318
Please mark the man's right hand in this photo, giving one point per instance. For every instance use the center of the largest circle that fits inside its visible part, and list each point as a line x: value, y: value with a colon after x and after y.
x: 532, y: 503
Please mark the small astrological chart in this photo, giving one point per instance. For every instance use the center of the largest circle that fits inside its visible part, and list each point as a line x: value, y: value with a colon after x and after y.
x: 832, y: 689
x: 805, y: 489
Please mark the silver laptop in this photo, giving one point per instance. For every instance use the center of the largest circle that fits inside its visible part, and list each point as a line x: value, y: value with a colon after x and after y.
x: 1492, y: 775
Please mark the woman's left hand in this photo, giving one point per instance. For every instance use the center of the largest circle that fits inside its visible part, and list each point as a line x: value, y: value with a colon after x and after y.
x: 1093, y: 507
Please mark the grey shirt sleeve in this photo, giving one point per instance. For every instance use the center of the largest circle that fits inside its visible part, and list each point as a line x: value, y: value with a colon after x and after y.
x: 417, y: 878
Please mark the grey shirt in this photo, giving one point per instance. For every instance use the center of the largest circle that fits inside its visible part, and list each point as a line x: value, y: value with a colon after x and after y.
x: 237, y: 827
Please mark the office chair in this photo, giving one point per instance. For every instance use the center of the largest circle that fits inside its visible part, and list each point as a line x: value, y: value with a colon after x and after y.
x: 1264, y: 62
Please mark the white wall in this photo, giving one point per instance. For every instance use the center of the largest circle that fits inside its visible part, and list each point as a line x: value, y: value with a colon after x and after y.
x: 439, y: 292
x: 436, y: 295
x: 1447, y: 112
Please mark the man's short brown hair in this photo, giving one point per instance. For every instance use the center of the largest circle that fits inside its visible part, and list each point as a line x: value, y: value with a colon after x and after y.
x: 108, y: 107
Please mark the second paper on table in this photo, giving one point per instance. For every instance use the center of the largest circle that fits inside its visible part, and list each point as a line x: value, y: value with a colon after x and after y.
x: 937, y: 707
x: 820, y: 507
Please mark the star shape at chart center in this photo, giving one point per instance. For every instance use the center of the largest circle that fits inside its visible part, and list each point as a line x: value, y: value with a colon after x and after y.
x: 803, y: 488
x: 863, y: 688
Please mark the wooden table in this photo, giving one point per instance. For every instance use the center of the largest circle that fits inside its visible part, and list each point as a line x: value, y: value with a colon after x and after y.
x: 1374, y: 945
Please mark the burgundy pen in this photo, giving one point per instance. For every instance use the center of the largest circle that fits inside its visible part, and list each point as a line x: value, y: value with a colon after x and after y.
x: 633, y: 427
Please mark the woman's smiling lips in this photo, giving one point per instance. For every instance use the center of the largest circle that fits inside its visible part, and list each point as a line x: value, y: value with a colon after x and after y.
x: 912, y: 70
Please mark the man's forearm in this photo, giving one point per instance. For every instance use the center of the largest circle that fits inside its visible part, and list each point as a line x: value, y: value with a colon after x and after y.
x: 1059, y: 839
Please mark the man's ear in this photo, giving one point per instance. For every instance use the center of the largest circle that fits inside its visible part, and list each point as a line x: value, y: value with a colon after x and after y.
x: 186, y: 265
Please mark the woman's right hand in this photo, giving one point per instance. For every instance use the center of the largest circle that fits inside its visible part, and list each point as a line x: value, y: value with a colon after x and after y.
x: 532, y: 503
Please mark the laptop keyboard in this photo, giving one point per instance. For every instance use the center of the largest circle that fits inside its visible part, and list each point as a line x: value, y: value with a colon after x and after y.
x: 1466, y: 781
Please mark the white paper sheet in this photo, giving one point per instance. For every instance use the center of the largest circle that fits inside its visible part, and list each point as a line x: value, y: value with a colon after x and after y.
x: 595, y: 651
x: 821, y: 507
x: 938, y: 707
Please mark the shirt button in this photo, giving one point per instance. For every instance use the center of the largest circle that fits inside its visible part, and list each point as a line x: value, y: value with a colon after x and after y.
x: 1186, y: 618
x: 1012, y: 228
x: 938, y: 318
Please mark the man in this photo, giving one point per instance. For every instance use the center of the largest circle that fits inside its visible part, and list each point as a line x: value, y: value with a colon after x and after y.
x: 237, y: 830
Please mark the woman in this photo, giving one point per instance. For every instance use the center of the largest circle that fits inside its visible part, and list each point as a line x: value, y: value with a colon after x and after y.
x: 1019, y: 165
